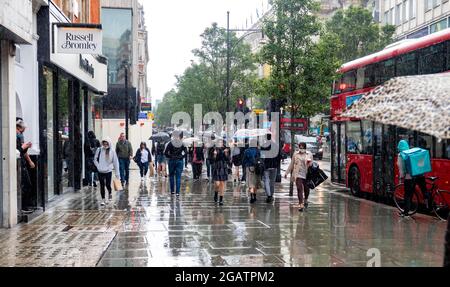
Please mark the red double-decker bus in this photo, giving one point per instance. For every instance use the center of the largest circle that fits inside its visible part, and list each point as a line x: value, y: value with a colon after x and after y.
x: 364, y: 153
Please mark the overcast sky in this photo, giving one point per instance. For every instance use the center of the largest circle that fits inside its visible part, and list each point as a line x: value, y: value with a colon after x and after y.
x: 174, y: 31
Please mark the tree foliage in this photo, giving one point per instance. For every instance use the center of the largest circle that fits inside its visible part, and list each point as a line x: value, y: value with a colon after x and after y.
x: 303, y: 65
x: 358, y: 33
x: 204, y: 82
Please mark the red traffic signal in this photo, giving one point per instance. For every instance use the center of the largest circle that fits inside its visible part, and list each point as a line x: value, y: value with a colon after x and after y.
x: 240, y: 103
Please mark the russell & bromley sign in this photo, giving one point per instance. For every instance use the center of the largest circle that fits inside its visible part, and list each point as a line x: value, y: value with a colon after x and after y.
x: 79, y: 39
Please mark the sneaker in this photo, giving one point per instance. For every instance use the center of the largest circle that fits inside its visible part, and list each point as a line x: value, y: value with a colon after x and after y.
x: 178, y: 196
x: 103, y: 203
x: 306, y: 204
x: 221, y: 203
x: 110, y: 197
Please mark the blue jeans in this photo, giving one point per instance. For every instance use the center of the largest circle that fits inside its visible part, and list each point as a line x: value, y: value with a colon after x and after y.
x: 175, y: 171
x: 124, y: 166
x: 270, y: 176
x: 143, y: 168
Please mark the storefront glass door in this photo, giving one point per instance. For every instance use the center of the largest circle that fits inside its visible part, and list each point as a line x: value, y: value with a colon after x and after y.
x: 65, y: 156
x: 49, y: 165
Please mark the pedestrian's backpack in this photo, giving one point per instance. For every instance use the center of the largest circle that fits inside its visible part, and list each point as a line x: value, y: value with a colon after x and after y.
x: 417, y: 161
x: 259, y: 166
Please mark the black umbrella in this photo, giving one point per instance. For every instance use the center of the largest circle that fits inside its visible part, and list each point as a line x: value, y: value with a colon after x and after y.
x: 160, y: 137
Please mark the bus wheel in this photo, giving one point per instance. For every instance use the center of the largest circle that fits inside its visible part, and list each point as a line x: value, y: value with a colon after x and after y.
x: 354, y: 181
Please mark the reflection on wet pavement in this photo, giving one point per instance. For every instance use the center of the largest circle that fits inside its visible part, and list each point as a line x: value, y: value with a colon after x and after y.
x: 145, y: 226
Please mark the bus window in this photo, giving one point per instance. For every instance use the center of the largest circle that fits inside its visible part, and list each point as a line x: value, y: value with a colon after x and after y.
x: 426, y: 142
x: 431, y: 60
x: 367, y: 137
x: 448, y: 55
x: 443, y: 149
x: 386, y: 71
x: 360, y: 78
x: 407, y: 135
x: 348, y: 82
x: 407, y: 65
x: 370, y: 76
x: 354, y: 138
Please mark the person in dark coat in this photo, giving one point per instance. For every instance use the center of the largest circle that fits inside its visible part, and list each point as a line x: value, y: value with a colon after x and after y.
x: 221, y: 158
x: 272, y: 157
x: 90, y: 147
x: 197, y: 160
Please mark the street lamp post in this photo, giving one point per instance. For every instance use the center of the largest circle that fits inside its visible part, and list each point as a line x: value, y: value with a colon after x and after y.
x: 229, y: 50
x: 127, y: 99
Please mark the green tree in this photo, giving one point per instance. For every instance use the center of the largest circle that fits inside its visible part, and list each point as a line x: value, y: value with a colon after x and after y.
x: 164, y: 112
x: 303, y: 65
x: 358, y: 33
x: 204, y: 82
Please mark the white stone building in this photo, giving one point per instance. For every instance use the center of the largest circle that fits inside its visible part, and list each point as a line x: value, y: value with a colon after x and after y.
x: 16, y: 27
x: 415, y: 18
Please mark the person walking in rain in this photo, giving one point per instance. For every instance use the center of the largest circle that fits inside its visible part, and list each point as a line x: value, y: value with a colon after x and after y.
x: 271, y: 167
x: 106, y: 160
x: 251, y: 154
x: 160, y: 158
x: 143, y: 158
x: 90, y: 148
x: 298, y: 170
x: 197, y: 160
x: 236, y: 159
x: 124, y: 151
x: 220, y: 160
x: 175, y: 152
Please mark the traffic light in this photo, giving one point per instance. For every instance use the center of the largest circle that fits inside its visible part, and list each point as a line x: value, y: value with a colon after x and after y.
x: 240, y: 105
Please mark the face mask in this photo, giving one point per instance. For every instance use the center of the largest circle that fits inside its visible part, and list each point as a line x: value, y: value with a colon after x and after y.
x: 302, y: 150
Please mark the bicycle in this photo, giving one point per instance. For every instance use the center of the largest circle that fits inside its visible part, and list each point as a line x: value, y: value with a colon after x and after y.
x: 437, y: 200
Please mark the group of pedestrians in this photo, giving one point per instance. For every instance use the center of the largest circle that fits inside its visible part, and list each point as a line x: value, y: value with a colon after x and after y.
x: 257, y: 163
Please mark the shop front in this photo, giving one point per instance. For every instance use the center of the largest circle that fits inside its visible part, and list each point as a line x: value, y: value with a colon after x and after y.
x: 70, y: 84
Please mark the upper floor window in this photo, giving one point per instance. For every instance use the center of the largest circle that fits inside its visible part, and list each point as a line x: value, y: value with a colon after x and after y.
x: 412, y: 9
x: 428, y: 4
x: 398, y: 10
x: 405, y: 11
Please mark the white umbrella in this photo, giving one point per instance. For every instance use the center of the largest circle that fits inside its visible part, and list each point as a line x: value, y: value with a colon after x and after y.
x: 251, y: 133
x: 420, y: 103
x: 190, y: 141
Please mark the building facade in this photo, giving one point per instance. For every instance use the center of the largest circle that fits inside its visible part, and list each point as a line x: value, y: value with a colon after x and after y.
x: 16, y: 27
x: 69, y: 85
x: 125, y: 39
x: 415, y: 18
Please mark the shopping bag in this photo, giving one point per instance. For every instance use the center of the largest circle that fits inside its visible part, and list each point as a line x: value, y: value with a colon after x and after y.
x: 152, y: 170
x: 117, y: 185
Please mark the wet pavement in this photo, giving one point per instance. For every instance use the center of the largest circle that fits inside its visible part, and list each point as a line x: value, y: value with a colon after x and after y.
x: 146, y: 226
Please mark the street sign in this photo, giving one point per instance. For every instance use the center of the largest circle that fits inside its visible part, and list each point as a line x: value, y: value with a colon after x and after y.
x: 259, y: 111
x: 142, y: 116
x: 294, y: 124
x: 79, y: 39
x: 146, y: 107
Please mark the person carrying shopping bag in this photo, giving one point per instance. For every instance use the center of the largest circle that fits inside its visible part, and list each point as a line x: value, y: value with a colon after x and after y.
x: 143, y: 159
x: 106, y: 161
x: 298, y: 169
